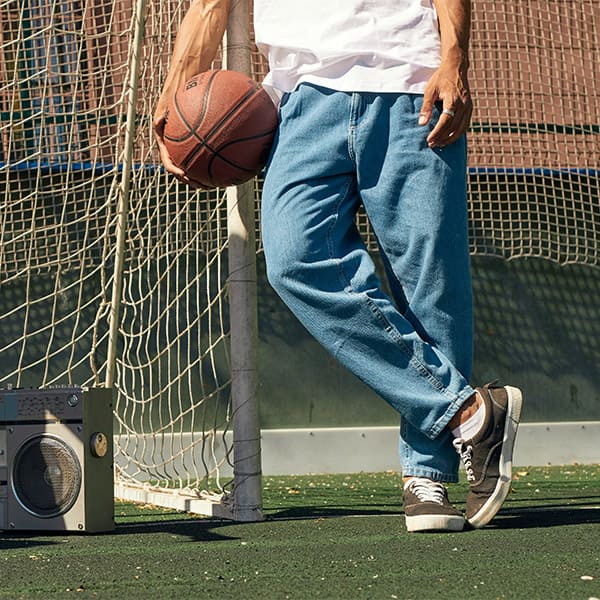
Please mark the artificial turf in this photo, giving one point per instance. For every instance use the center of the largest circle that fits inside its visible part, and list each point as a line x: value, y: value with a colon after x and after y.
x: 339, y: 536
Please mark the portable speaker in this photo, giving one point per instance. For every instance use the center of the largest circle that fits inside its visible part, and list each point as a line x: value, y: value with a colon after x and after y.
x: 56, y: 459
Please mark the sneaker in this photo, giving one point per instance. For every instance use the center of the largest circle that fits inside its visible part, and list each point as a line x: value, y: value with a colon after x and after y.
x: 426, y: 507
x: 488, y: 455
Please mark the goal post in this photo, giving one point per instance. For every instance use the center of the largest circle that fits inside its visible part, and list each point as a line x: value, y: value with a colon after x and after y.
x: 122, y: 189
x: 241, y: 283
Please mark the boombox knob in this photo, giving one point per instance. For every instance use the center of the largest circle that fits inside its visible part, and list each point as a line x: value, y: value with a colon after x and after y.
x: 98, y: 444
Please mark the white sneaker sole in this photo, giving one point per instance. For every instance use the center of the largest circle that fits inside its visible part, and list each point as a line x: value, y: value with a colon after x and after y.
x: 435, y: 523
x: 513, y: 415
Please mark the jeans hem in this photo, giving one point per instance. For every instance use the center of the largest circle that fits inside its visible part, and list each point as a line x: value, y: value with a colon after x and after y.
x: 457, y: 400
x: 432, y: 474
x: 443, y: 421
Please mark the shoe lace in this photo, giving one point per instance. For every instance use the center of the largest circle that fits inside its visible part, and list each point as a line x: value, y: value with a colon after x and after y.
x: 466, y: 454
x: 428, y: 491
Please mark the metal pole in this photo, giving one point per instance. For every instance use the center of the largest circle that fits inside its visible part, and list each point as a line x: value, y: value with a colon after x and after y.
x: 123, y: 190
x: 247, y: 500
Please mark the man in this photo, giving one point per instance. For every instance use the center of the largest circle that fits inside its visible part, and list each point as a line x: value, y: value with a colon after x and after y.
x: 374, y: 103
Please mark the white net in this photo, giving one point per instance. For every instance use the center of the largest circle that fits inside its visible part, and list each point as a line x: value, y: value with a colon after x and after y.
x: 60, y: 97
x: 65, y: 164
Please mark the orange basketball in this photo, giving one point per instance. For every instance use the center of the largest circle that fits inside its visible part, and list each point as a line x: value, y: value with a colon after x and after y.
x: 219, y: 128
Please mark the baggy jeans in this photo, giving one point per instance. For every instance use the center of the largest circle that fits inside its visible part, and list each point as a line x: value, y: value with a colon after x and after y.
x: 333, y: 152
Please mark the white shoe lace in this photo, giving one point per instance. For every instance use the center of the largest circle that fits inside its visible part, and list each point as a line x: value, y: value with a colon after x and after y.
x: 427, y: 491
x: 466, y: 453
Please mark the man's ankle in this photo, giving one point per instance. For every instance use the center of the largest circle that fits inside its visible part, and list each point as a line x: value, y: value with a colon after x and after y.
x: 466, y: 411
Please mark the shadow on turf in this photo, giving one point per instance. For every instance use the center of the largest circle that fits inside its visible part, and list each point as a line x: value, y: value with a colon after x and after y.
x: 318, y: 512
x: 508, y: 518
x: 206, y: 530
x: 545, y: 516
x: 28, y: 541
x: 201, y: 530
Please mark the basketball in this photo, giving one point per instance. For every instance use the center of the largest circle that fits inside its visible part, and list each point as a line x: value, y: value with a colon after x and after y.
x: 219, y: 128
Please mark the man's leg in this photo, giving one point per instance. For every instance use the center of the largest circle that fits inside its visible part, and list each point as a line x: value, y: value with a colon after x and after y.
x: 415, y: 197
x: 318, y: 264
x: 416, y: 200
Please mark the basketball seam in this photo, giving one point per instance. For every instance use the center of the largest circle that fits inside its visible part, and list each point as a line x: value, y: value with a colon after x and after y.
x: 204, y: 143
x: 216, y: 153
x: 193, y: 127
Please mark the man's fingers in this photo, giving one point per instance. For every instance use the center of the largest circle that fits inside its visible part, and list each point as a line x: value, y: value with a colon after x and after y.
x: 168, y: 163
x: 453, y: 122
x: 158, y: 125
x: 436, y: 137
x: 429, y: 100
x: 442, y: 128
x: 424, y: 116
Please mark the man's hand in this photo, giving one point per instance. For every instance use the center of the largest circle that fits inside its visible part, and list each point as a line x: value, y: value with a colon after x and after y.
x: 449, y: 85
x: 158, y: 124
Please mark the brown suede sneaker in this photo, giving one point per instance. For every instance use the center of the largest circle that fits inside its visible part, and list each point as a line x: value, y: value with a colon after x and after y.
x: 488, y: 455
x: 426, y: 507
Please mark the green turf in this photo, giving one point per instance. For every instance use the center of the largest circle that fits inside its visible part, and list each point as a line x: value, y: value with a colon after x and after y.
x: 328, y: 537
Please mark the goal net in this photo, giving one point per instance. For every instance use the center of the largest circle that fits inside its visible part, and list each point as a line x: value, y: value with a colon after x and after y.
x: 113, y: 273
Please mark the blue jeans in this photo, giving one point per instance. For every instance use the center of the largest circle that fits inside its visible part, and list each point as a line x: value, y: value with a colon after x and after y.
x: 335, y: 150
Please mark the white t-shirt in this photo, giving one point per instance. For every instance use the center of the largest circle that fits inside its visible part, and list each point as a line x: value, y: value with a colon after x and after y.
x: 348, y: 45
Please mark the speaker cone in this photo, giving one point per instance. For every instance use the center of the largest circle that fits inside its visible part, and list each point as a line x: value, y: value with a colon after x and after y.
x: 46, y: 476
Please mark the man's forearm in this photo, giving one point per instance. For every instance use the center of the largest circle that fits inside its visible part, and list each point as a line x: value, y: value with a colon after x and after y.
x: 455, y: 27
x: 198, y: 38
x: 449, y: 83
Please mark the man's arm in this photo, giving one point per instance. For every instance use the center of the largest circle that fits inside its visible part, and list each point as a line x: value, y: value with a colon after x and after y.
x: 198, y: 38
x: 450, y: 83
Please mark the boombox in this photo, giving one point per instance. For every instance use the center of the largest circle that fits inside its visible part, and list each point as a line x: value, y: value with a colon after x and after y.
x: 56, y: 459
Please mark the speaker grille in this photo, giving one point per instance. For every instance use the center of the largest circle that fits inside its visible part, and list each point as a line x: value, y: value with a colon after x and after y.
x: 46, y: 476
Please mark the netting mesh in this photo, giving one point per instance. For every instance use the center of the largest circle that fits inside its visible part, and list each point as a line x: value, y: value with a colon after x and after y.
x: 534, y: 150
x: 64, y: 68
